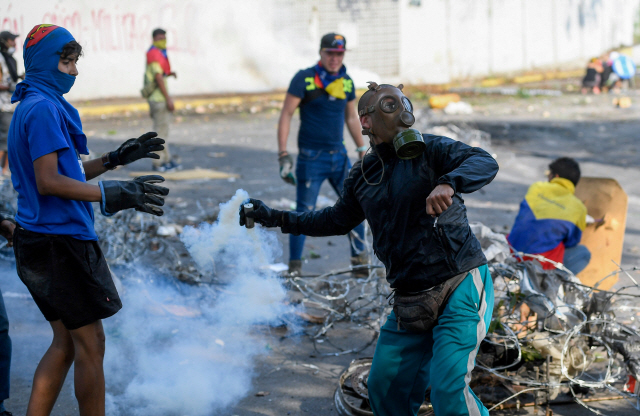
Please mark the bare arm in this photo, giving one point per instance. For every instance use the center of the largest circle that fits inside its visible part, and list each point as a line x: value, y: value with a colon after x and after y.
x: 93, y: 168
x: 291, y: 102
x: 163, y: 89
x: 353, y: 124
x: 50, y: 182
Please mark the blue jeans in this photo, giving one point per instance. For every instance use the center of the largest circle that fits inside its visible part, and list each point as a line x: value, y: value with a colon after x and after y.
x: 576, y: 258
x: 5, y: 352
x: 314, y: 166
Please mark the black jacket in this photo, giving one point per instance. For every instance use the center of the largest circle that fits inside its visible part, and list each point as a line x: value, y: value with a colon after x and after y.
x: 417, y: 250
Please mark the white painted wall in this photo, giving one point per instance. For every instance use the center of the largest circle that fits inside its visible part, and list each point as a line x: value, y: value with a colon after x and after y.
x: 214, y: 46
x: 444, y: 40
x: 219, y: 46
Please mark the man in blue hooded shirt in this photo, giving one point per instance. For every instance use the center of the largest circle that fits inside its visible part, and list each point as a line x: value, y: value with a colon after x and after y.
x: 57, y: 254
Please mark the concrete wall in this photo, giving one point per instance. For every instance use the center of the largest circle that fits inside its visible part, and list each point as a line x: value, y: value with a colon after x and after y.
x: 444, y: 40
x: 221, y: 46
x: 213, y: 45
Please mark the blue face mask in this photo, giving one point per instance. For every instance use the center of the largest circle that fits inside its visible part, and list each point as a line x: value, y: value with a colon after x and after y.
x: 64, y: 82
x: 42, y: 49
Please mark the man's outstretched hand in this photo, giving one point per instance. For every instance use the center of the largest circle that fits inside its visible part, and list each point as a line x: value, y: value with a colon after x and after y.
x: 136, y: 149
x: 141, y: 193
x: 262, y: 214
x: 439, y: 199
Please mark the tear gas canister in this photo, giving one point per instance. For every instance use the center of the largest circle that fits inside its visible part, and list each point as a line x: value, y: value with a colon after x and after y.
x: 248, y: 221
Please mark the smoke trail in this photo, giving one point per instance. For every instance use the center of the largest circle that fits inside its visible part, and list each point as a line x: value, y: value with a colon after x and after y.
x: 179, y: 349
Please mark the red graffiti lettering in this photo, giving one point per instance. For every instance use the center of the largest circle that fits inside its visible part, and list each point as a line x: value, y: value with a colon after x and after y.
x: 108, y: 30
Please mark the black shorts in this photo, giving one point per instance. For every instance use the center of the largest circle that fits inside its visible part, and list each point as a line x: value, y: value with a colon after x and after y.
x: 68, y: 278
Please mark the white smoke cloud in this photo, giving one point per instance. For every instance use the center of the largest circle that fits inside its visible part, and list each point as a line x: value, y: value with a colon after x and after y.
x: 187, y: 350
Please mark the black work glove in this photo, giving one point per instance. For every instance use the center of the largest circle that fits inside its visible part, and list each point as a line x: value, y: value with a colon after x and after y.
x: 134, y: 149
x: 139, y: 193
x: 286, y: 169
x: 262, y: 214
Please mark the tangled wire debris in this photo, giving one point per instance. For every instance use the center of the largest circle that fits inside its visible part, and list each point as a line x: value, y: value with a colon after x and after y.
x: 357, y: 295
x: 549, y: 335
x: 127, y: 237
x: 130, y: 236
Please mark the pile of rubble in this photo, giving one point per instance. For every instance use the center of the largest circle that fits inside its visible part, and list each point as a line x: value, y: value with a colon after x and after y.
x: 577, y: 343
x: 551, y: 339
x: 576, y: 339
x: 126, y: 238
x: 132, y: 237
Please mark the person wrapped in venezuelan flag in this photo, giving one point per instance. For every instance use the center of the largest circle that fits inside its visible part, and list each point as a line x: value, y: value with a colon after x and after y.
x: 551, y: 219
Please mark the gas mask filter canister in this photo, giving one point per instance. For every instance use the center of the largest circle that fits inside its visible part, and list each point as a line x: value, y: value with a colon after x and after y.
x: 409, y: 144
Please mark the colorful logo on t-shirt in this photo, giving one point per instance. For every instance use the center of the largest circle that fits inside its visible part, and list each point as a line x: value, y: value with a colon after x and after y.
x: 38, y: 33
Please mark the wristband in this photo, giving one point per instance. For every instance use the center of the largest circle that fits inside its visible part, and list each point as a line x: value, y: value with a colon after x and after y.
x: 362, y: 148
x: 107, y: 162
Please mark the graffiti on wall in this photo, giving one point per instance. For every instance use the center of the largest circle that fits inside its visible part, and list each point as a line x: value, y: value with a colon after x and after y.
x: 354, y: 7
x: 107, y: 30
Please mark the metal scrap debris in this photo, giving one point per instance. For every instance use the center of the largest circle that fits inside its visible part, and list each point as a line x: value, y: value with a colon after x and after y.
x: 577, y: 340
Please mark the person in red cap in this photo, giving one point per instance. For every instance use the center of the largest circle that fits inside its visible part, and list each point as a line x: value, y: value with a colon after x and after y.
x: 7, y: 227
x: 9, y: 78
x: 326, y: 97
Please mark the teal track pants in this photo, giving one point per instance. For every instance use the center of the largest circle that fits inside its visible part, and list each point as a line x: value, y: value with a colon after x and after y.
x: 405, y: 363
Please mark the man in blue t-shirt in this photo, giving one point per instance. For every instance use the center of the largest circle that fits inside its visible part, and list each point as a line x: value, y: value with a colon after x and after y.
x: 57, y: 254
x: 326, y: 97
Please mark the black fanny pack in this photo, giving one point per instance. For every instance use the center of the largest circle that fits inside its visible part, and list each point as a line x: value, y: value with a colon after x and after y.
x: 419, y: 312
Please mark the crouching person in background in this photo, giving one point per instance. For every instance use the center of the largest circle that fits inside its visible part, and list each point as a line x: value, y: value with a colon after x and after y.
x: 57, y: 253
x: 552, y: 218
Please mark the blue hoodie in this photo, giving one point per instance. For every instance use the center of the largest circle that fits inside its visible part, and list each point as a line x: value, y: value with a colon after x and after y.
x: 44, y: 122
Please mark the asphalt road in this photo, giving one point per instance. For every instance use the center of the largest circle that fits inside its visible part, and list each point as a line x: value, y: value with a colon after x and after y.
x: 300, y: 381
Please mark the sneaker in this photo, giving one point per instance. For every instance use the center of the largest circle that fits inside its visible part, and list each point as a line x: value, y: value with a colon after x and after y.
x: 360, y: 260
x: 295, y: 268
x: 167, y: 167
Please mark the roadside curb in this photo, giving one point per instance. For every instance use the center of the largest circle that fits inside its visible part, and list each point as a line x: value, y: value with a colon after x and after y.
x: 533, y: 77
x: 199, y: 105
x: 256, y: 102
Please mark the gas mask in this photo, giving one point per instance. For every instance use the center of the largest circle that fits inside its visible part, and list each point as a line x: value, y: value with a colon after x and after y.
x: 391, y: 116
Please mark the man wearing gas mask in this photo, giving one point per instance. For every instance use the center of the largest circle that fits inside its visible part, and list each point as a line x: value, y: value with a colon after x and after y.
x: 442, y: 290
